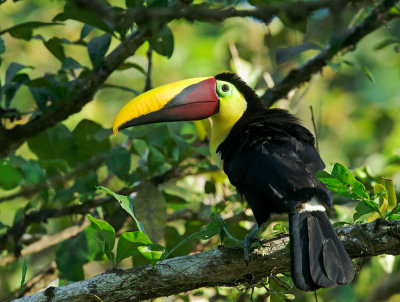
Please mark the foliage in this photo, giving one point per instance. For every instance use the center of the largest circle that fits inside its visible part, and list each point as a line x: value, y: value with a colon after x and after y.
x: 61, y: 164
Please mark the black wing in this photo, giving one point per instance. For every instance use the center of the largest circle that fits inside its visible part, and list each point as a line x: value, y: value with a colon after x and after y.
x: 272, y: 161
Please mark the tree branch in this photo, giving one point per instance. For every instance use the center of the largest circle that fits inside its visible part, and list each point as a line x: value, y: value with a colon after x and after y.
x: 28, y: 191
x: 11, y: 139
x: 219, y: 266
x: 344, y: 43
x: 46, y: 241
x: 19, y: 227
x: 198, y: 13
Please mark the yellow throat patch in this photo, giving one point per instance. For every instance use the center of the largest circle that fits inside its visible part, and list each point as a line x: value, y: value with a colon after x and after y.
x: 232, y: 105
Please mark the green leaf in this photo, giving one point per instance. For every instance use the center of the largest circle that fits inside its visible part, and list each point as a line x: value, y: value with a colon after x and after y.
x: 70, y: 64
x: 54, y: 143
x: 133, y: 3
x: 9, y: 177
x: 284, y: 54
x: 106, y: 233
x: 394, y: 217
x: 163, y: 44
x: 54, y: 45
x: 119, y: 162
x: 343, y: 182
x: 2, y: 46
x: 85, y: 143
x: 24, y: 269
x: 86, y: 30
x: 123, y: 88
x: 391, y: 194
x: 71, y: 254
x: 72, y: 11
x: 25, y: 30
x: 152, y: 252
x: 364, y: 207
x: 12, y: 70
x: 128, y: 65
x: 368, y: 73
x: 126, y: 203
x: 334, y: 66
x: 128, y: 244
x: 32, y: 172
x: 97, y: 48
x: 150, y: 206
x: 210, y: 230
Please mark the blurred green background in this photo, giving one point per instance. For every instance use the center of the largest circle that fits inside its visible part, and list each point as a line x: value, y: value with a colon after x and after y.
x: 356, y: 103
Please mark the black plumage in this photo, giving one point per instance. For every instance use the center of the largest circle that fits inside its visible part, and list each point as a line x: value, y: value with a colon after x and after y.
x: 272, y: 161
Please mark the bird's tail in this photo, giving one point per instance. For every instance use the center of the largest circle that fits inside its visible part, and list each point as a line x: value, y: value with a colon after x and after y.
x: 318, y: 258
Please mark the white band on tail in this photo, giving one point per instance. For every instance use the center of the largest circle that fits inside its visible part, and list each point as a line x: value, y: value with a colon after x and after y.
x: 312, y: 206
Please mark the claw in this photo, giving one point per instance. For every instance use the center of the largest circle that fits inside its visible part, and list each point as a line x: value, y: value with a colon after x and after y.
x: 250, y: 237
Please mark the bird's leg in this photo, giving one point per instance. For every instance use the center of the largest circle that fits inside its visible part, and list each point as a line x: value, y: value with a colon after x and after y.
x: 250, y: 237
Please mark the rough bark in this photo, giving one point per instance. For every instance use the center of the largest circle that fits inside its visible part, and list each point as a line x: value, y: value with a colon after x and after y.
x: 219, y: 266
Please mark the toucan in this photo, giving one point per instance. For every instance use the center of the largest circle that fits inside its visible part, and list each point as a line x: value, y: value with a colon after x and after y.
x: 268, y: 156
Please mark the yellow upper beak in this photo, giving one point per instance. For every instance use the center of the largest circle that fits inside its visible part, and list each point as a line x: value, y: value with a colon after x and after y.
x: 189, y: 99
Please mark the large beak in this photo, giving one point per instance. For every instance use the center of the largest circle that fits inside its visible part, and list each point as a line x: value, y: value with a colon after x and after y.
x: 187, y: 100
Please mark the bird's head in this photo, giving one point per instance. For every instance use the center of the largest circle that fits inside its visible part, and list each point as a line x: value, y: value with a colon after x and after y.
x: 225, y: 97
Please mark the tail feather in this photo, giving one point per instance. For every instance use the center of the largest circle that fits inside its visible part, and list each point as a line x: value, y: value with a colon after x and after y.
x: 318, y: 258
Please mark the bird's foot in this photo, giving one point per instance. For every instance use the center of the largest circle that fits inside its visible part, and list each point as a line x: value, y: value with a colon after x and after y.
x: 248, y: 240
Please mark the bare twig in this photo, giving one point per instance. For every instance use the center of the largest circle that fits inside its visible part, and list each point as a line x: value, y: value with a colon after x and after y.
x: 149, y: 63
x: 315, y: 128
x: 219, y: 266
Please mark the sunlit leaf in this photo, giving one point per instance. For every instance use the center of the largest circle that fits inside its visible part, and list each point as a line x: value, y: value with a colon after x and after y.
x: 126, y: 204
x: 152, y: 252
x: 106, y: 233
x: 128, y: 244
x: 341, y: 181
x: 391, y: 194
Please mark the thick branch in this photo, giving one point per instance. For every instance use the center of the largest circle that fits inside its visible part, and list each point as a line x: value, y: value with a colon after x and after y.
x: 199, y: 13
x: 217, y: 267
x: 346, y: 42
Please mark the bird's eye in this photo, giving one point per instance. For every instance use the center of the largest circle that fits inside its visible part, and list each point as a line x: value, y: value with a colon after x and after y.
x: 224, y: 89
